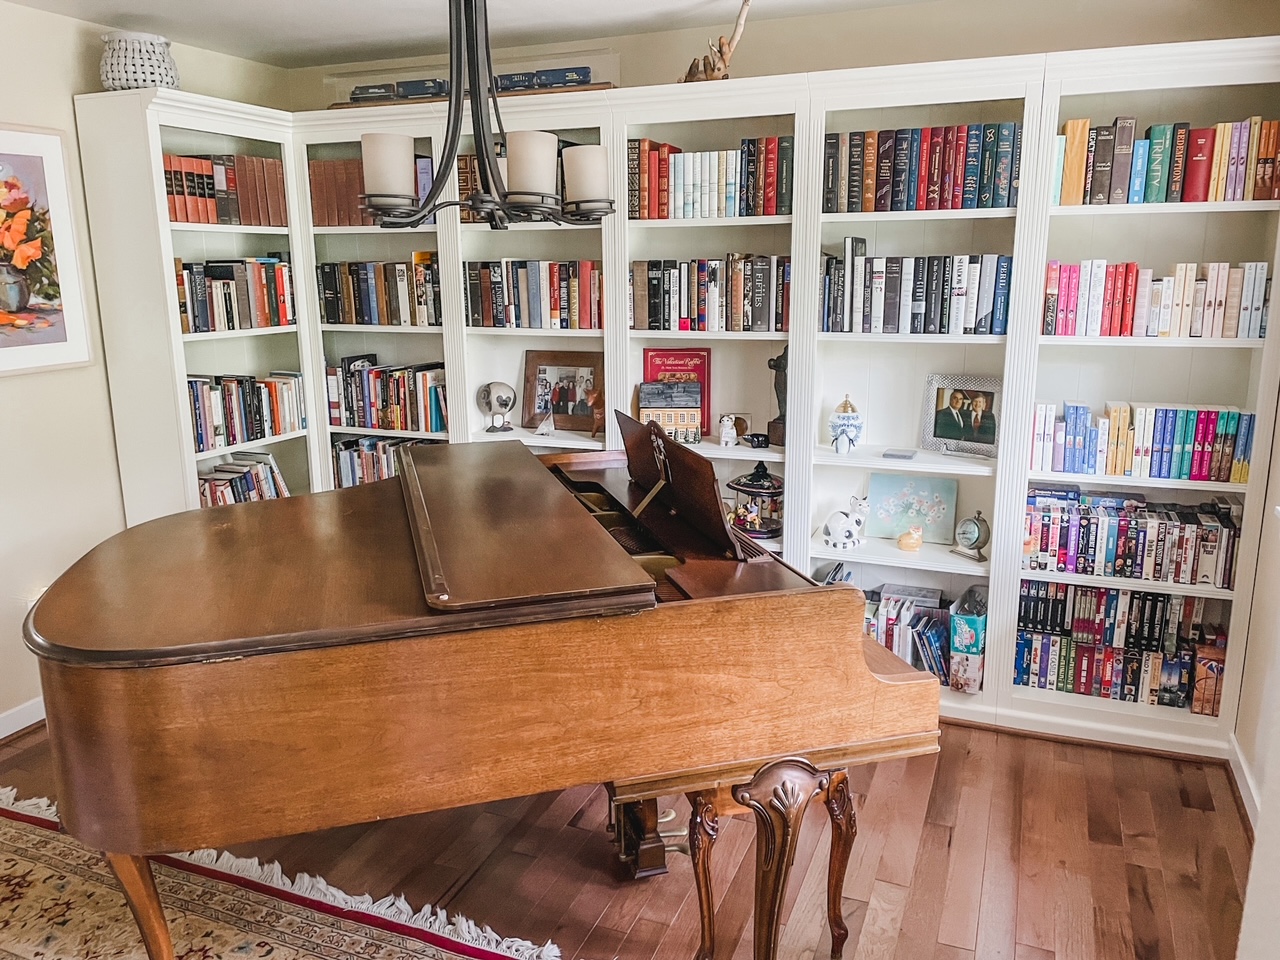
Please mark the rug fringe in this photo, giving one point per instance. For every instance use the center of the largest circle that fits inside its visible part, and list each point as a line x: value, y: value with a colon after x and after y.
x: 395, y: 908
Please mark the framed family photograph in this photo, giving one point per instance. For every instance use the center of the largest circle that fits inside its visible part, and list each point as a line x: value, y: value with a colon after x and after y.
x: 961, y: 414
x: 42, y: 310
x: 561, y: 383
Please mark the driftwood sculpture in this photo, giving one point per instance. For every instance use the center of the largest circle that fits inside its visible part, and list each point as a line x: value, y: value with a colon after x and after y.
x: 716, y: 65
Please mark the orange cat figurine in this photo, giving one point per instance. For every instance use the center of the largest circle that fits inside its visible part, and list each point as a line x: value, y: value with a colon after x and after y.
x: 595, y: 400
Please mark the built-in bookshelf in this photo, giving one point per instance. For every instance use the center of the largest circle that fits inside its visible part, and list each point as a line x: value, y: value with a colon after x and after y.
x: 883, y: 373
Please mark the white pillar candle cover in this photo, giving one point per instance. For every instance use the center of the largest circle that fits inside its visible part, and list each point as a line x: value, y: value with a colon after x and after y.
x: 388, y: 167
x: 531, y: 165
x: 586, y: 173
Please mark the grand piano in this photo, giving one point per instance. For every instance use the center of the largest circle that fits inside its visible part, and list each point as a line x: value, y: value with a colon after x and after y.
x: 484, y: 626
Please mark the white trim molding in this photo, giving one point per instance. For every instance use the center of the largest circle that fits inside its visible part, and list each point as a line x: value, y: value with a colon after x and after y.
x: 20, y: 717
x: 1246, y: 783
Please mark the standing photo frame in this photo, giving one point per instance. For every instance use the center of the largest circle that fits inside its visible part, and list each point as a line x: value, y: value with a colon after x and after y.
x: 557, y: 382
x: 42, y: 304
x: 961, y: 414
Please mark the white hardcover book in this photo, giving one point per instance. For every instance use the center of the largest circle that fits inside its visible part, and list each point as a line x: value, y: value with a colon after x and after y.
x: 714, y: 321
x: 842, y: 174
x: 959, y: 292
x: 986, y: 293
x: 675, y: 186
x: 853, y: 317
x: 1047, y: 434
x: 1037, y: 439
x: 1197, y: 308
x: 972, y: 285
x: 1246, y: 299
x: 693, y: 185
x: 1210, y: 291
x: 1220, y: 300
x: 1259, y: 300
x: 846, y: 307
x: 877, y: 294
x: 1083, y: 287
x: 544, y: 291
x: 1100, y: 452
x: 1168, y: 297
x: 1139, y: 431
x: 403, y: 294
x: 1097, y: 292
x: 1142, y: 303
x: 734, y: 174
x: 1188, y: 299
x: 708, y: 185
x: 1148, y: 439
x: 904, y: 299
x: 1179, y: 301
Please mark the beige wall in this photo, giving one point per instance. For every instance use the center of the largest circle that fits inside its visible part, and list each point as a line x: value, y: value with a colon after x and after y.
x: 942, y: 30
x: 59, y: 492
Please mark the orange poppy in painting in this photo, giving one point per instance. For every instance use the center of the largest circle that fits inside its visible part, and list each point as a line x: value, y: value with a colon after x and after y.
x: 25, y: 253
x: 14, y: 230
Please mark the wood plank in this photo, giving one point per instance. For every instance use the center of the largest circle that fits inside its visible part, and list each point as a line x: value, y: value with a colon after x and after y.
x: 947, y: 952
x: 1181, y: 835
x: 998, y: 916
x: 1032, y: 953
x: 1228, y: 823
x: 1036, y: 893
x: 1194, y: 786
x: 918, y: 936
x: 1103, y: 799
x: 879, y: 939
x: 1073, y: 921
x: 1152, y: 937
x: 962, y: 903
x: 1137, y: 821
x: 944, y: 802
x: 805, y: 933
x: 874, y: 821
x: 898, y: 861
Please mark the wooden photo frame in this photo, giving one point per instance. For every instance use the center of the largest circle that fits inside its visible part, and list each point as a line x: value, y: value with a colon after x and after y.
x: 948, y: 414
x: 556, y: 382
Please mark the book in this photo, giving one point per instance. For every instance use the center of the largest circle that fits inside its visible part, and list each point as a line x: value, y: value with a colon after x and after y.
x: 682, y: 365
x: 1075, y: 144
x: 1103, y: 158
x: 1122, y: 159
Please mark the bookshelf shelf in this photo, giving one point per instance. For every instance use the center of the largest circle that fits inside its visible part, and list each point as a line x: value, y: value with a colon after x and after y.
x: 934, y: 557
x: 1143, y: 343
x: 712, y: 450
x: 551, y: 333
x: 367, y: 230
x: 238, y: 334
x: 1122, y: 708
x: 561, y: 439
x: 946, y: 339
x: 713, y: 222
x: 1099, y: 483
x: 1124, y: 583
x: 925, y: 461
x: 399, y: 434
x: 1144, y: 209
x: 378, y: 328
x: 232, y: 228
x: 701, y: 336
x: 978, y: 213
x: 250, y: 445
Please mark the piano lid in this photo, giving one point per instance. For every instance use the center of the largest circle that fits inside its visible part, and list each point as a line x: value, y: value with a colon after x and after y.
x: 493, y: 528
x: 324, y: 569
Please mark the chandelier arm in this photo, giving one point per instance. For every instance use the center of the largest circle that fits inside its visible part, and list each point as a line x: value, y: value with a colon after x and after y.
x: 479, y: 79
x: 493, y: 87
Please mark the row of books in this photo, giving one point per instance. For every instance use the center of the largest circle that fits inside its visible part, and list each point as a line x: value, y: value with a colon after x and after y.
x: 1095, y: 298
x: 396, y: 294
x: 358, y: 460
x: 370, y: 396
x: 336, y: 186
x: 958, y: 294
x: 1148, y: 441
x: 1173, y: 163
x: 245, y: 477
x: 1120, y: 645
x: 221, y: 188
x: 236, y: 408
x: 963, y: 167
x: 538, y: 294
x: 916, y: 629
x: 1106, y: 535
x: 754, y: 180
x: 741, y: 292
x: 244, y: 294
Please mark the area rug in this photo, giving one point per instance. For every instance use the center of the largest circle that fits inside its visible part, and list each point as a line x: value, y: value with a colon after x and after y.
x: 59, y: 901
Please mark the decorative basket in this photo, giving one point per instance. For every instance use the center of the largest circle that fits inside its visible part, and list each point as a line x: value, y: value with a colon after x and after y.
x: 134, y: 60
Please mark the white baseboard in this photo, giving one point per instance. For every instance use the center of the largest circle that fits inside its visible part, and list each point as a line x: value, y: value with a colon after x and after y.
x: 1245, y: 782
x: 21, y: 717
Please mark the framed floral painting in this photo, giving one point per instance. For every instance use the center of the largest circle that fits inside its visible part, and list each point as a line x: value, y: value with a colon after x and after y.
x: 42, y: 315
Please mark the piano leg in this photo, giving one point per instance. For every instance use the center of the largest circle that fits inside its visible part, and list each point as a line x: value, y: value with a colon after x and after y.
x: 778, y: 795
x: 134, y: 874
x: 704, y: 825
x: 844, y: 828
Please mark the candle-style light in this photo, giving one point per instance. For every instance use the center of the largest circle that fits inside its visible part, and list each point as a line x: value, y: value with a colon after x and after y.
x: 525, y: 188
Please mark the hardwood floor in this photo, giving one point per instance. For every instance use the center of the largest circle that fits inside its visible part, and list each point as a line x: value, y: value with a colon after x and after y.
x: 1001, y: 846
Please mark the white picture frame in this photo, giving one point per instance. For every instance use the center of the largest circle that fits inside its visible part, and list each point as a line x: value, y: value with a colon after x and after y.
x: 939, y: 433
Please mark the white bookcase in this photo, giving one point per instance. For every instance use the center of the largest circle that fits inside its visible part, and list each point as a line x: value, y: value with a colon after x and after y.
x: 124, y: 134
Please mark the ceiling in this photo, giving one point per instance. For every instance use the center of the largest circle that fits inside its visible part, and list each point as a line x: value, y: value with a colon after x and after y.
x: 294, y: 33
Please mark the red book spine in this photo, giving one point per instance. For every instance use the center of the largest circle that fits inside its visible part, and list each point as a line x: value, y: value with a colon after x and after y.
x: 957, y: 168
x: 1108, y: 300
x: 210, y: 208
x: 922, y: 167
x: 1117, y: 302
x: 771, y: 176
x: 1197, y: 452
x: 1199, y: 167
x: 937, y: 143
x: 948, y: 168
x: 1108, y: 665
x: 664, y: 181
x: 1130, y: 298
x: 653, y: 184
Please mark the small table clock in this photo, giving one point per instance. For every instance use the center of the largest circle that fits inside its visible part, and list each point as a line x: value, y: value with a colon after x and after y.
x: 972, y: 534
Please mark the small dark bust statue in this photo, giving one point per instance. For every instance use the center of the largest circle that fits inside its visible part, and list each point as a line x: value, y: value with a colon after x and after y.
x: 778, y: 365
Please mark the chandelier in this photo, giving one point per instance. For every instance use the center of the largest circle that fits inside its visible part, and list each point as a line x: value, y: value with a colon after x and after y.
x: 522, y: 186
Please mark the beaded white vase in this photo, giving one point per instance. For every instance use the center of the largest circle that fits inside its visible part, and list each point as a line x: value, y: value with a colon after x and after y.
x: 134, y: 60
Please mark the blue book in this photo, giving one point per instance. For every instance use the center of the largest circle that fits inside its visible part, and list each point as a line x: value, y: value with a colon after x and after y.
x: 1002, y: 180
x: 972, y: 166
x: 367, y: 302
x: 1091, y: 452
x: 987, y: 165
x: 1046, y: 647
x: 426, y: 176
x: 1016, y: 171
x: 1166, y: 452
x: 1000, y: 307
x: 1020, y: 659
x: 1059, y: 161
x: 745, y: 160
x: 1157, y: 443
x: 1175, y: 456
x: 1138, y: 172
x: 913, y: 169
x: 1113, y: 534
